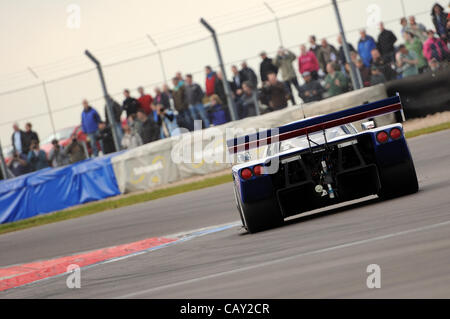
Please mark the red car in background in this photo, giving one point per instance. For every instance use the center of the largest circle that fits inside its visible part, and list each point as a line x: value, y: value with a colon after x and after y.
x: 64, y: 137
x: 7, y: 154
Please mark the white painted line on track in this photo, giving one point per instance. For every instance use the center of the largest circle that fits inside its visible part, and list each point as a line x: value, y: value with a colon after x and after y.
x: 204, y: 230
x: 292, y: 257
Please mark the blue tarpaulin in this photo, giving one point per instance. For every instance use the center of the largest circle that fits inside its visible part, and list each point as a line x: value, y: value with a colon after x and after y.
x: 49, y: 190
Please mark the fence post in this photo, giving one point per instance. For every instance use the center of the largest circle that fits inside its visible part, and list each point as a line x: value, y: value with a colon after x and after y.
x: 403, y: 8
x: 3, y: 167
x: 47, y: 100
x: 161, y: 62
x: 355, y: 76
x: 256, y: 102
x: 109, y: 111
x: 52, y: 121
x: 277, y: 22
x: 225, y: 79
x: 85, y: 149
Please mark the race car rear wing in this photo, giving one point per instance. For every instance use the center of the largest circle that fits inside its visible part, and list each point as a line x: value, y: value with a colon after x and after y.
x: 314, y: 124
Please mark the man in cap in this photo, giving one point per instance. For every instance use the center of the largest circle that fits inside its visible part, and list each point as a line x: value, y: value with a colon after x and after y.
x: 312, y: 90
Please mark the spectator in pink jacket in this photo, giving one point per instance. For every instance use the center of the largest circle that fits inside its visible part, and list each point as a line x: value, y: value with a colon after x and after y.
x: 307, y: 62
x: 435, y: 48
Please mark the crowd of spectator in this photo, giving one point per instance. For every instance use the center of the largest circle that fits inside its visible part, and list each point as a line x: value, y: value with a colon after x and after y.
x: 324, y: 69
x: 27, y: 156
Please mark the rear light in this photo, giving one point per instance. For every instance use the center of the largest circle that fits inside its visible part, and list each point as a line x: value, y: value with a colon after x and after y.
x: 246, y: 173
x: 258, y: 170
x: 395, y: 133
x: 382, y: 137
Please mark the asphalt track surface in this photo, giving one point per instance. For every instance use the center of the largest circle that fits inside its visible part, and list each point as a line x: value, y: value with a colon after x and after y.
x: 323, y: 255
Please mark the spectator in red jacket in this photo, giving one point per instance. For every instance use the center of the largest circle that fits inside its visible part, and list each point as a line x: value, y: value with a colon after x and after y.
x: 145, y: 101
x: 307, y: 62
x: 211, y: 78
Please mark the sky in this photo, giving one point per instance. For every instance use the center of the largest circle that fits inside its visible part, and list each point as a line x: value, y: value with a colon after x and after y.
x: 45, y: 40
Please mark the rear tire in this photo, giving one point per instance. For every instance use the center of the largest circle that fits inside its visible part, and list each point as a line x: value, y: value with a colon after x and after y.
x: 398, y: 180
x: 261, y: 215
x: 239, y: 206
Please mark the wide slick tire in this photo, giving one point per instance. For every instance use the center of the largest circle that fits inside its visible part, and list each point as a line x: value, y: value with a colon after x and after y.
x: 261, y: 215
x: 398, y: 180
x: 239, y: 206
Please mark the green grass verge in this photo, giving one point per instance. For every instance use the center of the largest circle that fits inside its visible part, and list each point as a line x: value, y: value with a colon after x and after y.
x: 96, y: 207
x: 427, y: 130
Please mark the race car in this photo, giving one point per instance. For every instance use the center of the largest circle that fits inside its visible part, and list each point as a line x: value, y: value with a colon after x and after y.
x: 320, y: 161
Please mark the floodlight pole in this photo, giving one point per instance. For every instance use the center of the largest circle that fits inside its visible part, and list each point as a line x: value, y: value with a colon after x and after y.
x: 355, y: 76
x: 222, y: 68
x: 108, y: 99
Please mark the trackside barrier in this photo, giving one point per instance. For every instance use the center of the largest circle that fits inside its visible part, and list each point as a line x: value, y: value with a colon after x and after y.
x: 51, y: 190
x: 164, y: 162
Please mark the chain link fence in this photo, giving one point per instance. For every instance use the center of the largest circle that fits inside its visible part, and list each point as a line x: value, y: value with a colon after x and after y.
x: 149, y: 65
